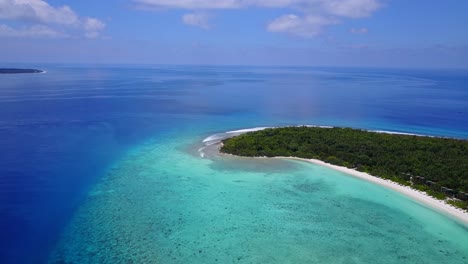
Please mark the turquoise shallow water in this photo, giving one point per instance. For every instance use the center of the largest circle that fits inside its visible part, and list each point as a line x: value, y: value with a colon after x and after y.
x: 163, y: 203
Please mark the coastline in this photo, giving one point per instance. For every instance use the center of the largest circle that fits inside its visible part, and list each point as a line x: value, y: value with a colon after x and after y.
x: 419, y: 196
x: 19, y: 71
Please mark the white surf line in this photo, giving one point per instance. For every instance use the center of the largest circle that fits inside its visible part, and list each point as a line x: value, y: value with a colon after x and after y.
x: 316, y: 126
x: 200, y: 151
x: 248, y: 130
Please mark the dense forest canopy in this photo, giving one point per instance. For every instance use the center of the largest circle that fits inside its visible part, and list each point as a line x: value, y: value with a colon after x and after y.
x: 393, y: 156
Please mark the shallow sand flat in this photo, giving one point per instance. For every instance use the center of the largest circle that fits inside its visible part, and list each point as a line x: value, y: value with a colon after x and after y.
x: 420, y: 196
x: 166, y: 204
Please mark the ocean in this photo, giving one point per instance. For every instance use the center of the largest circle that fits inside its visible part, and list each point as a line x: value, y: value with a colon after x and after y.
x: 101, y: 164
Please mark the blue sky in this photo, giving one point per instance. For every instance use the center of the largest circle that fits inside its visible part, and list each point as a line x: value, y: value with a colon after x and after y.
x: 363, y: 33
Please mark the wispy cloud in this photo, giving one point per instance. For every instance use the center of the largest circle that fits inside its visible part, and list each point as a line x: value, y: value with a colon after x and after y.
x: 310, y: 19
x: 197, y: 19
x: 40, y: 15
x: 307, y: 26
x: 35, y: 31
x: 93, y: 27
x: 192, y: 4
x: 351, y: 8
x: 359, y: 30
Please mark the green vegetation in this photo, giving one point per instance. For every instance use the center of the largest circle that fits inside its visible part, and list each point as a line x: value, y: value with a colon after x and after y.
x: 443, y: 162
x: 13, y: 71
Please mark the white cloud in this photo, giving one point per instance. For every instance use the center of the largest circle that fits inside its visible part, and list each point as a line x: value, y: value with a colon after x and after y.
x: 359, y: 30
x: 93, y: 24
x: 37, y: 11
x: 197, y: 19
x: 39, y: 14
x: 93, y: 27
x: 352, y: 8
x: 191, y: 4
x: 307, y: 26
x: 313, y: 15
x: 218, y: 4
x: 36, y: 31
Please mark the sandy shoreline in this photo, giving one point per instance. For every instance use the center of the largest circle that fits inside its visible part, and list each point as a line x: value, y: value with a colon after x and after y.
x: 419, y: 196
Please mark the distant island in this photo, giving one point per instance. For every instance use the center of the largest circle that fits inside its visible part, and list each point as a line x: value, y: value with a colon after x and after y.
x: 437, y: 166
x: 15, y: 71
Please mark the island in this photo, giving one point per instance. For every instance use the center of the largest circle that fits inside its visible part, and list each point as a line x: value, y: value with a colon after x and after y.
x: 15, y: 71
x: 435, y: 165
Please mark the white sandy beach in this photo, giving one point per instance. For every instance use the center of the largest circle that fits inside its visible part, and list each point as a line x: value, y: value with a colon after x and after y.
x: 419, y: 196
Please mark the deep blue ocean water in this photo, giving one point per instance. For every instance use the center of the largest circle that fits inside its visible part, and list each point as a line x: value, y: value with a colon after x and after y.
x: 62, y: 131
